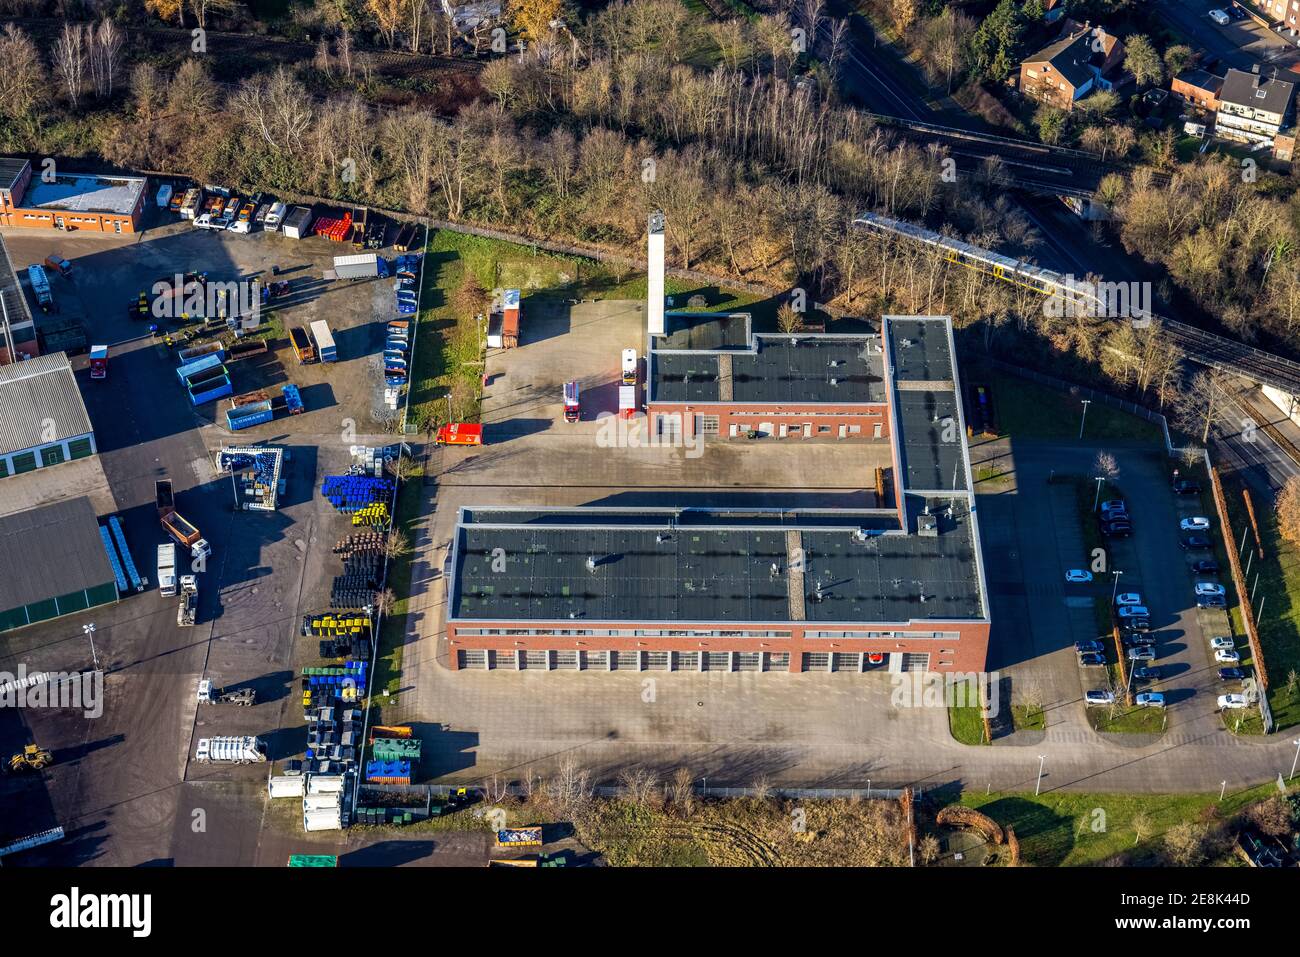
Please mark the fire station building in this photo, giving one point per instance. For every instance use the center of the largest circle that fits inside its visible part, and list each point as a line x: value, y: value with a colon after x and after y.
x: 767, y: 589
x: 709, y: 374
x: 70, y: 201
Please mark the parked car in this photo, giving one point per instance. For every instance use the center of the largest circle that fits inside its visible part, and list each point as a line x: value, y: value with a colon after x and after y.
x: 1219, y: 17
x: 1194, y: 543
x: 1091, y: 659
x: 1099, y: 696
x: 1137, y: 624
x: 1222, y: 641
x: 1186, y: 487
x: 1227, y: 656
x: 1143, y: 673
x: 1232, y: 701
x: 1078, y: 576
x: 1144, y: 653
x: 1119, y: 529
x: 1093, y: 646
x: 1236, y: 12
x: 1197, y: 523
x: 1209, y: 588
x: 1149, y: 699
x: 1211, y: 601
x: 1205, y: 566
x: 1135, y: 641
x: 1127, y: 598
x: 1232, y: 674
x: 1114, y: 508
x: 1128, y: 612
x: 207, y: 222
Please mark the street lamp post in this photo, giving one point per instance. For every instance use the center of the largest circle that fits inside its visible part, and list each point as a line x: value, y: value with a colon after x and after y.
x: 1096, y: 499
x: 89, y: 631
x: 1084, y: 417
x: 1115, y: 590
x: 1039, y: 784
x: 1295, y: 759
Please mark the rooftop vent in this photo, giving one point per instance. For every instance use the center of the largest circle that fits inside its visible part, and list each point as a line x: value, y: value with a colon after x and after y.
x: 927, y: 525
x: 860, y: 534
x: 592, y: 562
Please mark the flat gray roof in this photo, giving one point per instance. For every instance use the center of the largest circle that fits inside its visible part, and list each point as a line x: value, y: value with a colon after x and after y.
x: 11, y: 290
x: 40, y: 403
x: 718, y: 566
x: 918, y: 349
x: 927, y: 426
x: 715, y: 358
x: 50, y: 551
x: 85, y: 193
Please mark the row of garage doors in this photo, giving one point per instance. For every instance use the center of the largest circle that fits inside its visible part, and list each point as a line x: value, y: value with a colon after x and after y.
x: 674, y: 661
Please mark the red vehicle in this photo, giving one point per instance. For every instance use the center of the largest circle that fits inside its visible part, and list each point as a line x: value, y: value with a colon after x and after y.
x: 572, y: 402
x: 460, y: 433
x: 99, y: 362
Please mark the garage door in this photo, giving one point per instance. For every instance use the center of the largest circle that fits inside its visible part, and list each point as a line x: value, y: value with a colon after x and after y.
x: 505, y: 660
x: 778, y: 662
x: 627, y: 660
x: 846, y: 661
x: 52, y: 455
x: 717, y: 661
x: 815, y: 660
x: 472, y: 658
x: 79, y: 448
x: 566, y: 660
x: 656, y: 661
x: 598, y: 660
x: 749, y: 661
x: 686, y: 660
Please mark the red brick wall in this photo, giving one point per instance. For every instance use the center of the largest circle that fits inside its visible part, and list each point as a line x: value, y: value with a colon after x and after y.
x: 866, y: 417
x: 969, y: 651
x: 92, y: 222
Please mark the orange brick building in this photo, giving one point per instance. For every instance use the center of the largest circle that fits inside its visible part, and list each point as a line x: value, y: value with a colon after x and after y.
x: 70, y: 201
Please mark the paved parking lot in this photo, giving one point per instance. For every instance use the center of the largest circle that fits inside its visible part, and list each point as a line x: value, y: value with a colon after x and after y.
x: 120, y: 785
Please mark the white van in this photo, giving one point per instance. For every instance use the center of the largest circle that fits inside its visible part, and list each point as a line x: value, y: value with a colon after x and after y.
x: 274, y: 217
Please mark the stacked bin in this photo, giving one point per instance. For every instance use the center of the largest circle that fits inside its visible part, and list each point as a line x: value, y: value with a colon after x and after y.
x: 388, y: 772
x: 205, y: 379
x: 352, y: 493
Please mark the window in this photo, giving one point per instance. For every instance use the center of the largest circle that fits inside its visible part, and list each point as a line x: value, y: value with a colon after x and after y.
x: 709, y: 424
x: 24, y: 462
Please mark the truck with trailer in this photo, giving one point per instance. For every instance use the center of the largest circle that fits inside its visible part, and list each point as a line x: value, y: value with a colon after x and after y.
x: 181, y: 529
x: 325, y: 349
x: 241, y: 698
x: 241, y: 749
x: 167, y: 570
x: 572, y: 402
x: 629, y: 366
x: 627, y: 401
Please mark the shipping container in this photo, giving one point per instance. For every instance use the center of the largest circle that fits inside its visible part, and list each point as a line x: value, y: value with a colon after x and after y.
x: 302, y: 344
x: 298, y: 222
x: 460, y: 433
x: 164, y: 195
x: 247, y: 415
x: 286, y: 785
x: 246, y: 348
x: 361, y: 266
x: 325, y: 350
x: 198, y: 352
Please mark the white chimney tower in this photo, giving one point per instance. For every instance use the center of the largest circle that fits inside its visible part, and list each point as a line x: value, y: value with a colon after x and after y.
x: 655, y: 286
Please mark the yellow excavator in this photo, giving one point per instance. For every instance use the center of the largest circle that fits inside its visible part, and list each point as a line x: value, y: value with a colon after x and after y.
x: 31, y: 758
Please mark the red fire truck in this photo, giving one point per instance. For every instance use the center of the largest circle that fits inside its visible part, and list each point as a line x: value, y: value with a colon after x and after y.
x: 572, y: 402
x: 99, y: 362
x: 460, y: 433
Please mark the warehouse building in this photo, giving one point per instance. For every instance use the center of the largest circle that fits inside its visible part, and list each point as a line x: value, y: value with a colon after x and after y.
x: 17, y: 330
x: 767, y: 589
x: 709, y: 374
x: 43, y: 419
x: 106, y: 203
x: 52, y: 563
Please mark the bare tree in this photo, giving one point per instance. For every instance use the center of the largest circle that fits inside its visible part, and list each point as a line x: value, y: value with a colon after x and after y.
x: 571, y: 788
x: 1106, y: 465
x: 22, y: 75
x: 70, y: 58
x: 683, y: 790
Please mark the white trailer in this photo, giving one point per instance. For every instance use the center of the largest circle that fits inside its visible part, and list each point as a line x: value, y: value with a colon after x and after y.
x: 242, y: 749
x: 167, y: 570
x: 286, y: 785
x: 365, y: 266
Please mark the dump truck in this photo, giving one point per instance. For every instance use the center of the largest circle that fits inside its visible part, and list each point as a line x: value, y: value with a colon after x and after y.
x: 241, y: 698
x: 167, y: 570
x: 185, y: 533
x: 243, y: 749
x: 187, y: 611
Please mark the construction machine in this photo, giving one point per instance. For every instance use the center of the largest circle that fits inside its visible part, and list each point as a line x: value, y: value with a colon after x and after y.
x: 32, y: 758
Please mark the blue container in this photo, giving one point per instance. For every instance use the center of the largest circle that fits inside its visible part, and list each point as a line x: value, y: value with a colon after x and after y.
x: 216, y: 390
x: 198, y: 365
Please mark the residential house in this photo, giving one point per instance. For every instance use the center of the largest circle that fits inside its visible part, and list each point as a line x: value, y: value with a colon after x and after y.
x: 1198, y: 88
x: 1254, y: 109
x: 1081, y: 61
x: 1285, y: 14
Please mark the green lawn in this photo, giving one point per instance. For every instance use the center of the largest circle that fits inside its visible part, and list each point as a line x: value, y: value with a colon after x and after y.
x: 388, y: 656
x: 1025, y: 409
x: 1028, y: 717
x: 1079, y: 829
x: 1126, y: 720
x: 966, y: 723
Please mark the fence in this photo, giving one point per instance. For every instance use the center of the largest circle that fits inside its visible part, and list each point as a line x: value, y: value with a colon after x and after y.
x: 699, y: 790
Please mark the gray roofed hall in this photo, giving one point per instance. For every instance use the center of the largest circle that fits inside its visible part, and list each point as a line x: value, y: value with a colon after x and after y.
x: 50, y: 551
x: 40, y: 403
